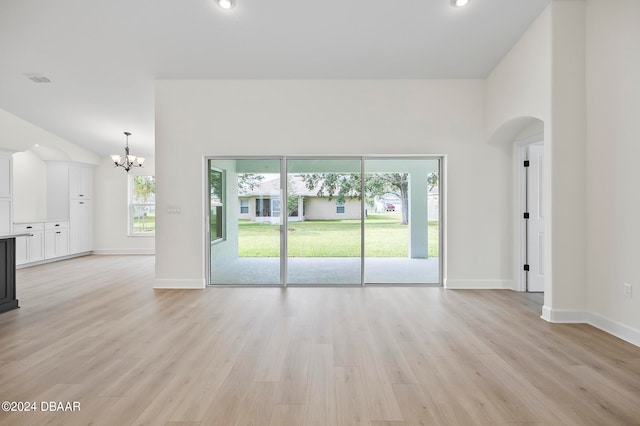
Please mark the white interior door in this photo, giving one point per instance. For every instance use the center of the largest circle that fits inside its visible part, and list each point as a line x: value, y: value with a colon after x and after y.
x: 535, y: 226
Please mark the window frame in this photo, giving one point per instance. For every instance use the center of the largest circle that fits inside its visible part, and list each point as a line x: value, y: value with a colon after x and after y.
x: 244, y: 204
x: 221, y: 216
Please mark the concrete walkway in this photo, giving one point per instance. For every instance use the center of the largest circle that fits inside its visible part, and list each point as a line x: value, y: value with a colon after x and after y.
x: 327, y: 271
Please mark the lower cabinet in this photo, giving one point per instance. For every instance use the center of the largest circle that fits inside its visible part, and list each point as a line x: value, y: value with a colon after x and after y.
x: 31, y: 247
x: 81, y: 229
x: 44, y: 240
x: 56, y: 239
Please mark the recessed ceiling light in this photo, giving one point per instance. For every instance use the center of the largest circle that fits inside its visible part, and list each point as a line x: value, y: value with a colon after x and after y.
x: 226, y: 4
x: 459, y: 3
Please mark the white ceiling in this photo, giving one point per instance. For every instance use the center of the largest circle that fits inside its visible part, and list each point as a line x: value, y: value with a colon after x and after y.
x: 102, y: 56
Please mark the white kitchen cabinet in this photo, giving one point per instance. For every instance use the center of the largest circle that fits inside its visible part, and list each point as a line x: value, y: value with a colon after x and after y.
x: 80, y: 226
x: 80, y: 182
x: 6, y: 192
x: 56, y: 239
x: 58, y: 190
x: 69, y: 193
x: 29, y: 248
x: 5, y: 216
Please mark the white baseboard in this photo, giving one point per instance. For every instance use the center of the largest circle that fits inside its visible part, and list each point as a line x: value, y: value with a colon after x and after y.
x: 177, y: 283
x: 54, y: 259
x: 622, y: 331
x: 570, y: 316
x: 615, y: 328
x: 479, y: 284
x: 125, y: 251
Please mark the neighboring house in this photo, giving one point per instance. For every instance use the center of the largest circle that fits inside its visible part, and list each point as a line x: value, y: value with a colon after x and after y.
x: 263, y: 204
x: 392, y: 203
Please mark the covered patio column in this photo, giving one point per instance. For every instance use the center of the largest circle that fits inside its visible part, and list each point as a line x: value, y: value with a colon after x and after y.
x: 418, y: 215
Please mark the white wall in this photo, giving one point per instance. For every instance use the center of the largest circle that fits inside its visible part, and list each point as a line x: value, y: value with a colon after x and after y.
x: 518, y: 105
x: 542, y: 78
x: 520, y: 85
x: 29, y: 187
x: 111, y: 210
x: 19, y: 135
x: 323, y: 208
x: 565, y: 150
x: 198, y: 118
x: 613, y: 149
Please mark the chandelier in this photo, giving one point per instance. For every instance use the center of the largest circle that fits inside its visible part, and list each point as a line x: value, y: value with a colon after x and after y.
x: 128, y: 161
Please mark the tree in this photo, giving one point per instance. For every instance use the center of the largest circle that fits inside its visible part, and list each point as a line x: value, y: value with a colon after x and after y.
x: 342, y: 185
x: 397, y: 184
x: 143, y: 187
x: 249, y: 181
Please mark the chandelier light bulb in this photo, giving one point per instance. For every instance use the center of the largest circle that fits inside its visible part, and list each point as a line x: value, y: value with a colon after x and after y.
x: 127, y: 161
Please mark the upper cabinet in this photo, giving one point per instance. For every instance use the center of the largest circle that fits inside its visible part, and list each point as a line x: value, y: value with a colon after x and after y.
x: 80, y: 181
x: 6, y: 193
x: 5, y: 174
x: 65, y: 182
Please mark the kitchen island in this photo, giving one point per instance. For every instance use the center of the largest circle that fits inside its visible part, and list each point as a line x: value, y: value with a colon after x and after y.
x: 8, y: 297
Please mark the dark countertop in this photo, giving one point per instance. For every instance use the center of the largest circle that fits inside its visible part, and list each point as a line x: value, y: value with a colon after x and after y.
x: 7, y: 236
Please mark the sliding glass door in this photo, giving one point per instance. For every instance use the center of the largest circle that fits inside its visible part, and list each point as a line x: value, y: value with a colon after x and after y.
x: 324, y: 221
x: 324, y: 233
x: 245, y: 218
x: 401, y: 231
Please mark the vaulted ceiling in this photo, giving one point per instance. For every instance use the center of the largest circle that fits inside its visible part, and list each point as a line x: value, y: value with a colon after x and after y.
x: 102, y: 57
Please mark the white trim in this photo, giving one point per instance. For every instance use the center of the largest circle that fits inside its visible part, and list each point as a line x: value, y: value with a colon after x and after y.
x: 621, y: 331
x: 572, y: 316
x: 496, y: 284
x: 560, y: 316
x: 125, y: 251
x: 53, y: 259
x: 179, y: 283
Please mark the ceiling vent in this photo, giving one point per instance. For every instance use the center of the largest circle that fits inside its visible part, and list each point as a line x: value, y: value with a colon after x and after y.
x: 38, y: 78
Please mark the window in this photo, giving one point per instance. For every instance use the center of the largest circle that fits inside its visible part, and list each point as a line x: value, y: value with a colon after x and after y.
x: 339, y: 207
x: 244, y: 206
x: 142, y: 205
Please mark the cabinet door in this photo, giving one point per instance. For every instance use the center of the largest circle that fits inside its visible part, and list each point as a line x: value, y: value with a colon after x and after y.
x: 50, y: 244
x: 74, y: 181
x: 86, y: 226
x: 62, y: 242
x: 58, y: 190
x: 5, y: 216
x: 80, y: 226
x: 36, y: 246
x: 80, y: 182
x: 5, y: 175
x: 85, y: 185
x: 22, y: 251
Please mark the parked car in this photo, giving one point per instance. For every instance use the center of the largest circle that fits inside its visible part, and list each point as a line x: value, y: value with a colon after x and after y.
x: 389, y: 207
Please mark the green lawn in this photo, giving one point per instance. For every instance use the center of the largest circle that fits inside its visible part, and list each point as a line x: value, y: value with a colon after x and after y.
x: 385, y: 237
x: 146, y: 223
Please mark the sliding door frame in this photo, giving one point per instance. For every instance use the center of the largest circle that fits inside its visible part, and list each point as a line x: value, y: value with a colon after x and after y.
x: 284, y: 215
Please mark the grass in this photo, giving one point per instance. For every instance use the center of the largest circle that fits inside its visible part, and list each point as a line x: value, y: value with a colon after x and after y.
x: 385, y: 236
x: 145, y: 224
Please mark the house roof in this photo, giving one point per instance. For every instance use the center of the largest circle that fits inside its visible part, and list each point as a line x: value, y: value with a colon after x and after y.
x: 272, y: 187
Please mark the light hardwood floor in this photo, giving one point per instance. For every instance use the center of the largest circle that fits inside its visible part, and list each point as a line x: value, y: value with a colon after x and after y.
x: 93, y: 330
